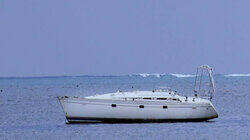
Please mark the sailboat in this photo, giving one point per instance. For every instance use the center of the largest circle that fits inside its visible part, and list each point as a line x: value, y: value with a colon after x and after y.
x: 159, y: 105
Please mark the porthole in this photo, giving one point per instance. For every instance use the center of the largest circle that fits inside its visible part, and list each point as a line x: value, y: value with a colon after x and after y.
x: 141, y: 106
x: 161, y: 98
x: 164, y: 107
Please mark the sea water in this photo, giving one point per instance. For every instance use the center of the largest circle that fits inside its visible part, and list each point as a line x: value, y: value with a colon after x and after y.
x: 29, y: 108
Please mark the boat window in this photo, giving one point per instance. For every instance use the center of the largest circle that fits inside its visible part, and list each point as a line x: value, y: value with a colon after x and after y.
x: 161, y: 98
x: 141, y: 106
x: 164, y: 106
x: 147, y: 98
x: 113, y: 105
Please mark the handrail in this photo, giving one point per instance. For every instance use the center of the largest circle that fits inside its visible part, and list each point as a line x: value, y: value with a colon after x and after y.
x: 211, y: 86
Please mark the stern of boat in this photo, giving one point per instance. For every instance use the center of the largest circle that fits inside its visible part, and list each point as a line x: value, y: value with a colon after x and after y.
x: 213, y: 112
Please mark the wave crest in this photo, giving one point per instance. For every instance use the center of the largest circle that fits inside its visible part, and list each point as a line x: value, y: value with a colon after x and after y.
x: 236, y: 75
x: 158, y: 75
x: 181, y: 75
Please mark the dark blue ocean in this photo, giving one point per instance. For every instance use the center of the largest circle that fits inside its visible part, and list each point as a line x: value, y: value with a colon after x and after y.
x: 29, y: 108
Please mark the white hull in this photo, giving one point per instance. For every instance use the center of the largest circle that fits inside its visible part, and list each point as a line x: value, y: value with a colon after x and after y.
x: 83, y: 109
x: 155, y: 105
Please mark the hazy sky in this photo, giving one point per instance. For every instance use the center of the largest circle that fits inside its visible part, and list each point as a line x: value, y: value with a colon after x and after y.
x: 113, y: 37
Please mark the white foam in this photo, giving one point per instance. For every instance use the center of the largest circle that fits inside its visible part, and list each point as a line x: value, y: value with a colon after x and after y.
x: 158, y: 75
x: 182, y: 75
x: 144, y: 74
x: 236, y: 75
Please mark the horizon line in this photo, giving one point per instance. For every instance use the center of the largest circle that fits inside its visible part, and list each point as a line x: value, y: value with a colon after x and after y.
x: 139, y: 74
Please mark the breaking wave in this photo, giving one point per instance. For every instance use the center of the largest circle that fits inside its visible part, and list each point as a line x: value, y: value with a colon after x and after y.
x: 236, y: 75
x: 182, y: 75
x: 158, y: 75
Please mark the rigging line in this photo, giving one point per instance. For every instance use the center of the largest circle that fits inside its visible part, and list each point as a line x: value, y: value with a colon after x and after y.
x: 201, y: 79
x: 195, y: 79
